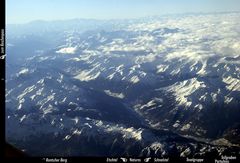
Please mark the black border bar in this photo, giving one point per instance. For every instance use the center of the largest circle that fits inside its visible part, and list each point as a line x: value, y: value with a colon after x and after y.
x: 2, y: 73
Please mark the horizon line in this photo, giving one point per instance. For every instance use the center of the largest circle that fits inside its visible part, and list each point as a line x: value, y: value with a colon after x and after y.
x: 115, y: 19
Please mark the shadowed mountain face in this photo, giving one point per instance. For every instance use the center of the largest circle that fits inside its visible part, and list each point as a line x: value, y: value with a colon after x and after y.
x: 11, y: 151
x: 165, y: 87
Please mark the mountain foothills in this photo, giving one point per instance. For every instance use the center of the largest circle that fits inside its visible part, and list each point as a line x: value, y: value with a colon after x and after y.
x: 159, y: 86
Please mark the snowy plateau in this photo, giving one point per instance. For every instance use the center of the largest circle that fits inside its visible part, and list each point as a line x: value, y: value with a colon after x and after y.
x: 163, y: 86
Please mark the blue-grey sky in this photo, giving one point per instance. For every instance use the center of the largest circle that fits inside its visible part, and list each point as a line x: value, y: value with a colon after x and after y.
x: 22, y: 11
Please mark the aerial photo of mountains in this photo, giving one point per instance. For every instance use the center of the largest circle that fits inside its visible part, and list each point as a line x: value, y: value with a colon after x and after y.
x: 159, y: 86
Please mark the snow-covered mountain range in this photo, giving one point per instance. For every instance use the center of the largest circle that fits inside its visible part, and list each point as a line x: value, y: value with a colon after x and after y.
x: 162, y: 86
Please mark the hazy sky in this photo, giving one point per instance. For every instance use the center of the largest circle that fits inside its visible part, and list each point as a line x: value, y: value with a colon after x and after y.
x: 22, y: 11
